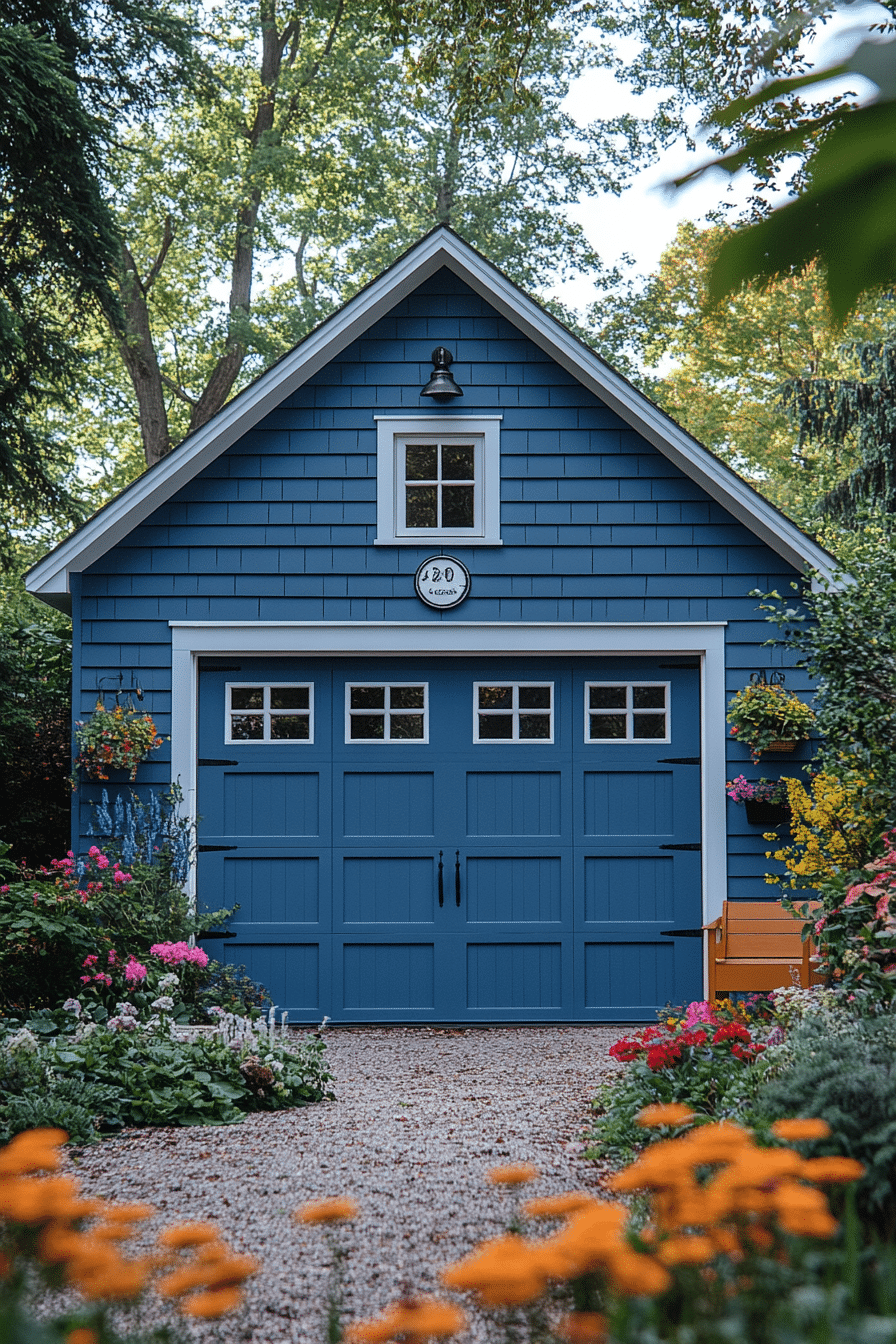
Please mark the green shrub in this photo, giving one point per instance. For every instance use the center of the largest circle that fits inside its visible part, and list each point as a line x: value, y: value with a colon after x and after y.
x: 102, y: 1078
x: 842, y: 1069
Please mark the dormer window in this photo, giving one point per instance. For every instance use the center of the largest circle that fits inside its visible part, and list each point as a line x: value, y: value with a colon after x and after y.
x: 438, y: 480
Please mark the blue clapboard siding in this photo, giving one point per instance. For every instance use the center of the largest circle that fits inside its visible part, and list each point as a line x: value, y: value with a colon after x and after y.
x: 597, y: 526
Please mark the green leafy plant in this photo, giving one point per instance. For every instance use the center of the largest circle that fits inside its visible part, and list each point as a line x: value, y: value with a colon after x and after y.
x: 842, y: 1069
x: 114, y: 739
x: 761, y: 714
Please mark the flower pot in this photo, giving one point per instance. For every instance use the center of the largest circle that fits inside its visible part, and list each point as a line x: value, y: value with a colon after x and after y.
x: 766, y: 814
x: 781, y: 746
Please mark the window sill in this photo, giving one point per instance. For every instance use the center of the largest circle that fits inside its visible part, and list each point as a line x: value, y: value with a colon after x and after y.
x: 442, y: 541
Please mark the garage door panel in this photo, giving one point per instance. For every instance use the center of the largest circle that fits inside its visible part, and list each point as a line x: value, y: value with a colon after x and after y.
x: 628, y: 802
x: 388, y: 803
x: 295, y: 974
x: 256, y: 803
x: 396, y: 979
x: 393, y: 889
x: 628, y: 888
x: 503, y: 889
x: 514, y: 802
x: 629, y: 977
x: 284, y: 889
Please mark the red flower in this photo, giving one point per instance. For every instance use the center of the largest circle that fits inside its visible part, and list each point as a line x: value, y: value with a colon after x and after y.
x: 732, y: 1031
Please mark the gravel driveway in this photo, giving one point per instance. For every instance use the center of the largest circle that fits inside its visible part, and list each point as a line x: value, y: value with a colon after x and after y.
x: 421, y: 1115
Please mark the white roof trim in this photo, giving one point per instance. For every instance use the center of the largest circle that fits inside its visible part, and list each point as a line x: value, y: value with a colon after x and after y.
x: 49, y: 578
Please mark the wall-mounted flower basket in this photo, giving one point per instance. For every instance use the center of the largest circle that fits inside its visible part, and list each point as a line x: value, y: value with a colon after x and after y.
x: 765, y: 800
x: 769, y: 718
x: 114, y: 739
x: 766, y: 814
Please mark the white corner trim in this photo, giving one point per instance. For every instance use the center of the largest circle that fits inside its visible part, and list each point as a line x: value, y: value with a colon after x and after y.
x: 191, y: 640
x: 49, y: 577
x: 391, y: 434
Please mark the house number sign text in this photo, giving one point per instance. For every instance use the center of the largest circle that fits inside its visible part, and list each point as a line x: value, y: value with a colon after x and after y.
x: 442, y: 582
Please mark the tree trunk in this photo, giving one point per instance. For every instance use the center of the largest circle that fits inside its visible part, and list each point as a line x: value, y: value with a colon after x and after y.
x: 138, y: 353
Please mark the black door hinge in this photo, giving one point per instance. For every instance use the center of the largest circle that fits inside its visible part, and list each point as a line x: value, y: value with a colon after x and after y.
x: 681, y: 933
x: 207, y: 849
x: 661, y: 846
x: 213, y: 760
x: 230, y: 933
x: 668, y: 760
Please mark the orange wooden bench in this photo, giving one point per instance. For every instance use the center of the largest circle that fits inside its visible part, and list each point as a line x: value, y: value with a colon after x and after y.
x: 755, y: 946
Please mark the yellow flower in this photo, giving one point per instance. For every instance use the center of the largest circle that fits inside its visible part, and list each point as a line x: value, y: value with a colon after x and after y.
x: 514, y: 1174
x: 327, y: 1211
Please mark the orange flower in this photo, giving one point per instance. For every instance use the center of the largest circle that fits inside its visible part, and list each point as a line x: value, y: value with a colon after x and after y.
x: 503, y: 1272
x: 517, y: 1173
x: 686, y: 1251
x: 557, y: 1206
x: 127, y: 1213
x: 121, y: 1280
x: 214, y: 1303
x: 674, y: 1113
x: 32, y: 1150
x: 797, y: 1130
x: 81, y: 1336
x: 583, y: 1327
x: 327, y: 1211
x: 414, y: 1318
x: 188, y: 1234
x: 637, y: 1275
x: 832, y: 1170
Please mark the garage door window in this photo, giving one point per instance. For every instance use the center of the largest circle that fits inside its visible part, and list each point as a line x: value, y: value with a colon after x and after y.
x: 627, y: 712
x: 269, y: 713
x: 391, y: 712
x: 514, y: 711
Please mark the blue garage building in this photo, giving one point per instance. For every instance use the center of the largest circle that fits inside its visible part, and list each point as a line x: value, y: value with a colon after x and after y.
x: 445, y: 677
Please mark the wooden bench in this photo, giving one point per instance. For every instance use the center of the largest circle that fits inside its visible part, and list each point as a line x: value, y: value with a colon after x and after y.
x: 755, y: 946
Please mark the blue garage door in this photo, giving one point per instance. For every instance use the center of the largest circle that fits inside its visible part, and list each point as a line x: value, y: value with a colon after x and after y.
x: 454, y: 839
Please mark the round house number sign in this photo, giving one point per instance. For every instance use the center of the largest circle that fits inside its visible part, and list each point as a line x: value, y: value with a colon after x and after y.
x: 442, y: 582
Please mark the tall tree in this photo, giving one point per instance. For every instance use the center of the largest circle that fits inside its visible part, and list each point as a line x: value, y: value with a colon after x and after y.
x: 67, y: 70
x: 756, y: 377
x: 248, y: 219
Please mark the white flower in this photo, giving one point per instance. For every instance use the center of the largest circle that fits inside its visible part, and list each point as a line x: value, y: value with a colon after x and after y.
x: 170, y: 981
x: 163, y: 1004
x: 115, y: 1023
x: 23, y: 1042
x: 72, y: 1006
x: 126, y: 1010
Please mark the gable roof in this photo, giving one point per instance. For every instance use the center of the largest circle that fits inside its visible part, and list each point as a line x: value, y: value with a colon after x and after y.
x: 49, y: 578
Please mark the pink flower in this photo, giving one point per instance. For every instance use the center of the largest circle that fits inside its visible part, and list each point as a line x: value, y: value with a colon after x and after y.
x: 102, y: 862
x: 93, y: 852
x: 85, y: 979
x: 820, y: 924
x: 173, y: 954
x: 120, y: 877
x: 113, y: 957
x: 134, y: 971
x: 90, y: 960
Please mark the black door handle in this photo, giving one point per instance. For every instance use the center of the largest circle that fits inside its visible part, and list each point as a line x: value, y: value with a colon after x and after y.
x: 457, y: 876
x: 441, y: 884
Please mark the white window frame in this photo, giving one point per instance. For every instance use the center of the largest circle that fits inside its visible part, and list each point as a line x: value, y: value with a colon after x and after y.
x: 393, y: 433
x: 629, y: 713
x: 515, y: 713
x: 385, y: 741
x: 268, y: 713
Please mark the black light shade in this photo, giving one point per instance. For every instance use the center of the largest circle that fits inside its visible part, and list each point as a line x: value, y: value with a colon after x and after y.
x: 441, y: 386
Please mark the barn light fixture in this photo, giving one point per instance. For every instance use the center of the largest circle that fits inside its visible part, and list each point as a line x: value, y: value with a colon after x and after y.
x: 120, y: 689
x: 441, y: 386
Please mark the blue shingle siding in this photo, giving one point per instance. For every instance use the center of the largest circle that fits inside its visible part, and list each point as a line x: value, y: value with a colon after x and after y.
x: 597, y: 525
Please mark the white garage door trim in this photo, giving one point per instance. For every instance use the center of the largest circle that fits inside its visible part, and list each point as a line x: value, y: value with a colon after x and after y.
x: 191, y: 640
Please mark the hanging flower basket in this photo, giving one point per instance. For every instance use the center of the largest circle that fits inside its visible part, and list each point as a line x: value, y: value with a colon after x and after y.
x: 768, y: 718
x: 765, y: 800
x: 114, y: 739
